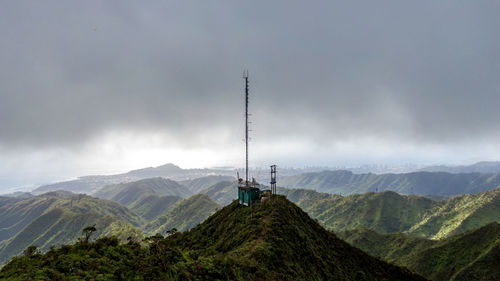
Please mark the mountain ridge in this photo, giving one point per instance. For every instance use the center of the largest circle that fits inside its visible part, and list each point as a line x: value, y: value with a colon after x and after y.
x: 422, y: 183
x: 465, y: 256
x: 272, y: 240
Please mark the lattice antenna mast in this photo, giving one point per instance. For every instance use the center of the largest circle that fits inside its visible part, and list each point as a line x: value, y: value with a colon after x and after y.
x: 245, y: 76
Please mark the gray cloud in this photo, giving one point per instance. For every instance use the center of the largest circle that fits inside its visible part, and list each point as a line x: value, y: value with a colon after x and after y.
x: 422, y: 72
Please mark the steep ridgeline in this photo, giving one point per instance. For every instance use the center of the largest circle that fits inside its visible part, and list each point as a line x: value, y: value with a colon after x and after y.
x: 222, y: 192
x: 274, y: 240
x: 388, y: 212
x: 423, y: 183
x: 148, y: 197
x: 459, y: 214
x: 150, y: 207
x: 56, y: 218
x: 198, y: 184
x: 184, y: 215
x: 385, y: 212
x: 472, y: 255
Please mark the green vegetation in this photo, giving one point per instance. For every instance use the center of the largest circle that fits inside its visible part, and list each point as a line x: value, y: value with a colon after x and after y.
x: 472, y: 255
x: 424, y: 183
x: 300, y: 196
x: 184, y: 215
x: 389, y: 212
x: 223, y: 192
x: 128, y: 193
x: 385, y: 212
x: 460, y: 214
x: 274, y: 240
x: 198, y: 184
x: 149, y: 198
x: 57, y: 218
x: 150, y: 207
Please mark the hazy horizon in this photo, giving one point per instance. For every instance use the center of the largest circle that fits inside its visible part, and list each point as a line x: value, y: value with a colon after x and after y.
x: 98, y: 87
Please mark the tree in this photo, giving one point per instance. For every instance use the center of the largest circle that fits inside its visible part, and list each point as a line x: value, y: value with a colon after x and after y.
x: 87, y: 232
x: 171, y: 231
x: 31, y: 251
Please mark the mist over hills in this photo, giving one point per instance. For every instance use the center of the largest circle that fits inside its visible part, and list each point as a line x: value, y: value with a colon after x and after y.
x: 91, y: 184
x: 423, y: 183
x: 404, y: 179
x: 484, y: 167
x: 196, y: 185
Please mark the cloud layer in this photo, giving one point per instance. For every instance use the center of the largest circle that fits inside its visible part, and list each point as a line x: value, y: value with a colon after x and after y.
x: 328, y: 72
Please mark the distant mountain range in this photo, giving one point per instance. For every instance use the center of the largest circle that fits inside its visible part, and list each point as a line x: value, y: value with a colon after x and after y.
x: 287, y: 176
x: 198, y: 184
x: 484, y: 167
x: 422, y: 183
x: 90, y: 184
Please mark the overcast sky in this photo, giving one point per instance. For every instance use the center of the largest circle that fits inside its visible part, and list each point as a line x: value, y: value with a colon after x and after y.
x: 92, y: 87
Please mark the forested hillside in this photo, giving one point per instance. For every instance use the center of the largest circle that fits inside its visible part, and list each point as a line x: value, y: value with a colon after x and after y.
x: 472, y: 255
x: 58, y: 218
x: 388, y: 212
x: 274, y: 240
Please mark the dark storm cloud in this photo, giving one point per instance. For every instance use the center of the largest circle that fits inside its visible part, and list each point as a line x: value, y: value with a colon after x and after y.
x: 424, y: 71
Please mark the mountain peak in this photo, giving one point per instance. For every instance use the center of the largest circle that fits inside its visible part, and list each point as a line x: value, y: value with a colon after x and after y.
x: 276, y: 239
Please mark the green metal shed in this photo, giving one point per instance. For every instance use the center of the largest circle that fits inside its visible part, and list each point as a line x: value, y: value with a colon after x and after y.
x: 248, y: 195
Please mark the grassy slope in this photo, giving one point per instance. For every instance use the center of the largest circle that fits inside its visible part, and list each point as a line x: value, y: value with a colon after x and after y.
x: 459, y: 214
x: 127, y: 193
x: 277, y: 241
x: 184, y: 215
x: 150, y: 207
x: 388, y: 212
x: 198, y: 184
x: 55, y: 218
x: 223, y: 192
x: 385, y: 212
x: 468, y: 256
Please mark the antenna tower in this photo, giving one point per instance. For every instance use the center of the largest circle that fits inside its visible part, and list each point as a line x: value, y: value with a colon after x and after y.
x: 245, y: 76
